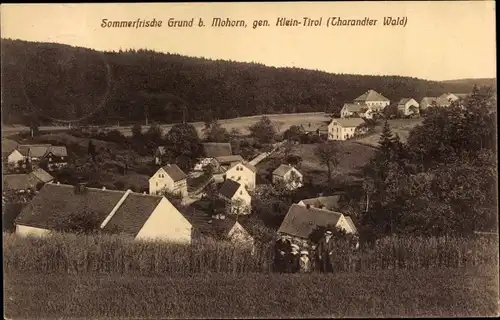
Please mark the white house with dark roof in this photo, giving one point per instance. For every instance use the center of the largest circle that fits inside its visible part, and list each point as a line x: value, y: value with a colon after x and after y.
x: 409, y: 107
x: 443, y: 100
x: 374, y: 100
x: 343, y: 129
x: 301, y: 221
x: 358, y: 110
x: 135, y: 215
x: 289, y: 175
x: 238, y: 200
x: 56, y: 156
x: 242, y: 172
x: 170, y: 178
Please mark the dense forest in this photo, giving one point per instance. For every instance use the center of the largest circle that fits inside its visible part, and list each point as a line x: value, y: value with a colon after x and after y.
x: 56, y: 81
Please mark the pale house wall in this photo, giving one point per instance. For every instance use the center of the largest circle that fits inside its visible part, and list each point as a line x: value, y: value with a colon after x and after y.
x: 245, y: 176
x: 159, y: 181
x: 14, y: 157
x: 246, y: 200
x: 31, y: 231
x: 342, y: 223
x: 287, y: 178
x: 166, y: 223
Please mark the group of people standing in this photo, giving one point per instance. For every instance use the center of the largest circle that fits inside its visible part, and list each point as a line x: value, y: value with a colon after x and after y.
x: 288, y: 257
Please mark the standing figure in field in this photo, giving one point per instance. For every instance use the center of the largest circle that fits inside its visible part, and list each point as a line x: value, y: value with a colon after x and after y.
x: 304, y: 262
x: 293, y: 259
x: 281, y: 250
x: 325, y: 251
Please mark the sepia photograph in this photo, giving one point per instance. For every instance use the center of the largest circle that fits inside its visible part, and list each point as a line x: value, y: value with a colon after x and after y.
x: 271, y: 160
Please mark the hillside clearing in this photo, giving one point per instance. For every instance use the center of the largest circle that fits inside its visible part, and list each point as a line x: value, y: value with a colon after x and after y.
x: 439, y: 292
x: 401, y: 127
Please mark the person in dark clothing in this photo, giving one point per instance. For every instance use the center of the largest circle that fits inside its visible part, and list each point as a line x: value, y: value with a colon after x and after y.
x: 324, y: 252
x: 293, y: 260
x: 282, y: 249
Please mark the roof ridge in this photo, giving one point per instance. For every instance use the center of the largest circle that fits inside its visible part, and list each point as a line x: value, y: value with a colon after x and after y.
x: 88, y: 188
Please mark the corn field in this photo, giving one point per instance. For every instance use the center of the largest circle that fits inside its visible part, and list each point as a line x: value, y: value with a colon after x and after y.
x: 95, y: 254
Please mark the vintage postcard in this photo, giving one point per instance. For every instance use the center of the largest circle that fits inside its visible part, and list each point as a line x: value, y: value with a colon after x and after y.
x: 249, y: 160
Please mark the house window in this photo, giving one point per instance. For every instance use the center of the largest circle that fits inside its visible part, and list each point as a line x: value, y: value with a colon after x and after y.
x: 241, y: 192
x: 157, y: 184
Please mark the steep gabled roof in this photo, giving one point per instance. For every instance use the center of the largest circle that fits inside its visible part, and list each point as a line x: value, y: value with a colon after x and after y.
x: 371, y: 95
x: 349, y: 122
x: 229, y: 188
x: 174, y: 172
x: 133, y: 214
x: 35, y: 150
x: 55, y: 203
x: 216, y: 149
x: 301, y: 221
x: 355, y: 107
x: 328, y: 203
x: 208, y: 226
x: 42, y: 175
x: 229, y: 159
x: 20, y: 181
x: 250, y: 166
x: 58, y: 151
x: 282, y: 170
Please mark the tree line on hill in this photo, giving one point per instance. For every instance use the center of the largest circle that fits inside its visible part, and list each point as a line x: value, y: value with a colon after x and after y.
x: 53, y: 81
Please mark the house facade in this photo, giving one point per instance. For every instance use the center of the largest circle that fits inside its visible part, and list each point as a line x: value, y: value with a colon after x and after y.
x: 135, y: 215
x: 288, y: 175
x: 374, y: 100
x: 243, y: 173
x: 56, y: 156
x: 238, y: 200
x: 409, y: 107
x: 343, y: 129
x: 358, y: 110
x: 170, y: 178
x: 444, y: 100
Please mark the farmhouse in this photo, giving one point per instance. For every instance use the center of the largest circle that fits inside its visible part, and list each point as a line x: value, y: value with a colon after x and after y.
x: 221, y: 227
x: 20, y: 183
x: 330, y: 203
x: 56, y: 156
x: 243, y: 173
x: 443, y: 100
x: 358, y: 110
x: 374, y: 100
x: 236, y: 196
x: 212, y: 150
x: 301, y: 221
x: 343, y: 129
x: 288, y: 175
x: 408, y: 107
x: 169, y: 178
x: 135, y: 215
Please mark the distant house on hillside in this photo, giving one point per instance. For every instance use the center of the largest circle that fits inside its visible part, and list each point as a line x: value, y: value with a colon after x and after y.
x: 301, y: 221
x: 243, y: 173
x: 56, y: 156
x: 170, y: 178
x: 374, y: 100
x: 289, y: 175
x: 212, y: 150
x: 343, y: 129
x: 408, y: 107
x: 357, y: 110
x: 443, y: 100
x: 135, y: 215
x: 238, y: 200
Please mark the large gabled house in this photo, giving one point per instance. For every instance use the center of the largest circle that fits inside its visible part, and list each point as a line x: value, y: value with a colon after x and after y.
x: 408, y: 107
x: 301, y: 221
x: 242, y: 172
x: 289, y: 176
x: 374, y: 100
x: 169, y: 178
x: 238, y: 200
x: 343, y: 129
x: 134, y: 215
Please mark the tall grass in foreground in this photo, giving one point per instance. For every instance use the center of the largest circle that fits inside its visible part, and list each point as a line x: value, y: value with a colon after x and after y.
x: 67, y: 253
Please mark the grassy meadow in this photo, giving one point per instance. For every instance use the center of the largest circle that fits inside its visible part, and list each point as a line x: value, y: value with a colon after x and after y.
x: 402, y: 127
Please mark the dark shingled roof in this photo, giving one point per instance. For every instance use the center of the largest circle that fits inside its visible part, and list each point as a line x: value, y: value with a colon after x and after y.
x: 174, y: 172
x: 55, y: 203
x: 132, y: 214
x: 329, y: 203
x: 355, y: 107
x: 20, y: 181
x: 350, y: 122
x: 36, y: 150
x: 229, y: 188
x: 282, y: 170
x: 300, y: 221
x: 216, y: 149
x: 42, y: 175
x: 58, y: 151
x: 371, y: 95
x: 208, y: 226
x: 229, y: 159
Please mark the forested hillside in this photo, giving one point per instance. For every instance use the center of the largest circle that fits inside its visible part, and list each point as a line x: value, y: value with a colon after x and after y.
x: 64, y: 82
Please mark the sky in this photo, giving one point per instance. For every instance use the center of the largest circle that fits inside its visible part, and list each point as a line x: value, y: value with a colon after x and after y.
x: 441, y: 40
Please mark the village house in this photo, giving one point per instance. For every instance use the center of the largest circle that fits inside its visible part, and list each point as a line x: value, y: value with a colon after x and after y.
x: 135, y: 215
x: 56, y: 156
x: 443, y: 100
x: 357, y: 110
x: 169, y: 178
x: 221, y: 227
x: 238, y: 200
x: 374, y: 100
x: 244, y: 173
x: 343, y: 129
x: 301, y: 221
x: 21, y: 183
x: 288, y: 175
x: 408, y: 107
x: 212, y: 150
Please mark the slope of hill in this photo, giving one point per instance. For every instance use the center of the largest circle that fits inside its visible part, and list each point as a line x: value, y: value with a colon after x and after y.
x: 72, y: 83
x: 490, y: 82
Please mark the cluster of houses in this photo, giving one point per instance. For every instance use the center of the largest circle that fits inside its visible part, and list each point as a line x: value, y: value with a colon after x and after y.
x: 353, y: 113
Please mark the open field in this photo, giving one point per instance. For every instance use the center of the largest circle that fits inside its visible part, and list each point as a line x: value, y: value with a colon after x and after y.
x: 440, y: 292
x: 351, y: 158
x: 402, y: 127
x: 284, y: 121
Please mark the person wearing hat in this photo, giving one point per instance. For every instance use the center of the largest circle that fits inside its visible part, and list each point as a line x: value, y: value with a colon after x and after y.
x: 293, y: 259
x: 282, y: 249
x: 304, y: 262
x: 325, y: 251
